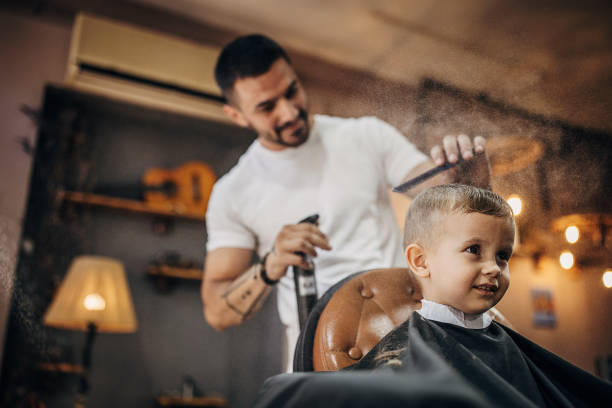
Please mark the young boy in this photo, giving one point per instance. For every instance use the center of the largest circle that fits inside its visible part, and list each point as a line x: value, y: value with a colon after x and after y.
x: 458, y: 240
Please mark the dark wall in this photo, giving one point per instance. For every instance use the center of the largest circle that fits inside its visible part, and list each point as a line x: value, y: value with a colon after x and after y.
x: 103, y: 143
x: 22, y: 76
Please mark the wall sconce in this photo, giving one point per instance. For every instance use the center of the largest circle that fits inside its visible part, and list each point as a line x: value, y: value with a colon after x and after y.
x: 590, y: 235
x: 595, y: 227
x: 93, y: 297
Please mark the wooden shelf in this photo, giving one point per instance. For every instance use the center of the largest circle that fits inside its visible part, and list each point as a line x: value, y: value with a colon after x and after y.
x: 61, y: 367
x: 175, y: 272
x: 168, y: 401
x: 98, y: 200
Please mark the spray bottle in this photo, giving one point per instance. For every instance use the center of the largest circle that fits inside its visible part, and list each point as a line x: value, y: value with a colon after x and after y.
x: 305, y: 283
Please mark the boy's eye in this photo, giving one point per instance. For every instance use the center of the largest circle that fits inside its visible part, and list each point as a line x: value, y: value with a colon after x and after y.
x: 473, y: 249
x: 504, y: 255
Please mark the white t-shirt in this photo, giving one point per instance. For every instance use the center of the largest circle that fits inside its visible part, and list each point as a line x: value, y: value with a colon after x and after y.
x: 343, y: 173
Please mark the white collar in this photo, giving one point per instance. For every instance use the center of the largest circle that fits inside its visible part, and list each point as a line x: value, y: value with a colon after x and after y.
x: 448, y: 314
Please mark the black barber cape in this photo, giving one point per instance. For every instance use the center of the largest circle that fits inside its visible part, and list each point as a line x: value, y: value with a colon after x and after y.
x: 443, y: 365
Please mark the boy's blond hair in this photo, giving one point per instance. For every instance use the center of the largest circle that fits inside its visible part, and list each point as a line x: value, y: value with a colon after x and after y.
x: 424, y: 213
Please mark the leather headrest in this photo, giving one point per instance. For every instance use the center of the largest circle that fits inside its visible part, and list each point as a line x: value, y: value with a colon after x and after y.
x: 360, y: 313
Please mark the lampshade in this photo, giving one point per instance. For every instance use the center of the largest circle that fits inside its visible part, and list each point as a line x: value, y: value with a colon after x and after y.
x: 94, y: 291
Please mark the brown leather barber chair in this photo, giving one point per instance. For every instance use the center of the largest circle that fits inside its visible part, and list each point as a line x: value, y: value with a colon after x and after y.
x: 354, y: 314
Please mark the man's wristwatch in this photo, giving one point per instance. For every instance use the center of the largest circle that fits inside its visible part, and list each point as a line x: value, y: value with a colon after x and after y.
x: 262, y: 271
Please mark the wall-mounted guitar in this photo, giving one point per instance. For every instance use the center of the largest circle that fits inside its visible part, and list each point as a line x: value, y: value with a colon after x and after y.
x: 186, y: 188
x: 182, y: 191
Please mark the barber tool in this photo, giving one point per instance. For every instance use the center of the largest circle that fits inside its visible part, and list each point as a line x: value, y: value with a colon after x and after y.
x: 402, y: 188
x: 305, y: 283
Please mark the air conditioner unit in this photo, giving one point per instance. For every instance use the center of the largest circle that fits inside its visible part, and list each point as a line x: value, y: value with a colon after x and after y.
x: 144, y: 67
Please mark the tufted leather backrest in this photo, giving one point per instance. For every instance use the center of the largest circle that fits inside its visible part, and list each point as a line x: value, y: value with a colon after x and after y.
x: 362, y: 311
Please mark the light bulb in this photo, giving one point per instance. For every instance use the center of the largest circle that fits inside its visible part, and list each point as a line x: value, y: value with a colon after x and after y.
x: 572, y: 234
x: 516, y: 204
x: 607, y: 278
x: 94, y: 301
x: 566, y: 260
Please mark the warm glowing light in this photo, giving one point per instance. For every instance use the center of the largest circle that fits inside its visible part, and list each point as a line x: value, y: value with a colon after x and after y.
x: 566, y: 260
x: 516, y: 204
x: 94, y: 301
x: 572, y: 234
x: 607, y: 278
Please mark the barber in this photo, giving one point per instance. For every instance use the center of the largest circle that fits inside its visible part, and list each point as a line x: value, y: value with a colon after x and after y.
x: 302, y: 164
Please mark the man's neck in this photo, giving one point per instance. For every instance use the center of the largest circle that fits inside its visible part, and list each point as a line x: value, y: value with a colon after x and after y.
x: 270, y: 145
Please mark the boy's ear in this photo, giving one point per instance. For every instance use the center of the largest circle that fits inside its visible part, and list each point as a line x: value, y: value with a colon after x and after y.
x: 417, y: 260
x: 235, y: 115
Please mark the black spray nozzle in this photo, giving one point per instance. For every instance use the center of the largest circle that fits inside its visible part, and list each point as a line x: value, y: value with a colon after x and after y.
x: 311, y: 219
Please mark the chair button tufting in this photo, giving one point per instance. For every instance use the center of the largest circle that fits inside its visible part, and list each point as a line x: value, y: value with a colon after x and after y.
x: 355, y: 353
x: 367, y: 293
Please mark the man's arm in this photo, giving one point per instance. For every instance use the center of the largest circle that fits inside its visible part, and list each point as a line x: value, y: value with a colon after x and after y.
x: 224, y: 266
x: 233, y: 289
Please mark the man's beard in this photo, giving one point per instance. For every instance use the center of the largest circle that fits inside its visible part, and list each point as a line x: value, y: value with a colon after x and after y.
x: 301, y: 134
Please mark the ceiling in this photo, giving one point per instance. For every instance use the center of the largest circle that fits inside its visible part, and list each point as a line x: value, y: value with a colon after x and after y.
x: 550, y: 57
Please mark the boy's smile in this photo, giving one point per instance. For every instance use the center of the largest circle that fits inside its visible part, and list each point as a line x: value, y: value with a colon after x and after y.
x: 467, y: 267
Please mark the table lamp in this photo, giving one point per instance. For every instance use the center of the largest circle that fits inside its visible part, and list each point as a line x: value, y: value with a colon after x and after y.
x: 94, y: 297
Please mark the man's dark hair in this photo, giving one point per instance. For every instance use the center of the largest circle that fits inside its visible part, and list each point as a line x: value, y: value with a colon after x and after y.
x: 247, y: 56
